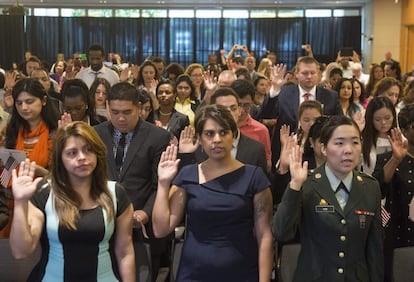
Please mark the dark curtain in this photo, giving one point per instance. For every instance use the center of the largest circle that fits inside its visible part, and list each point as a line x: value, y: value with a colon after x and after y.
x: 235, y: 32
x: 182, y: 40
x: 282, y: 36
x: 319, y: 33
x: 126, y: 39
x: 12, y: 44
x: 329, y: 35
x: 207, y: 38
x: 347, y: 33
x: 154, y: 33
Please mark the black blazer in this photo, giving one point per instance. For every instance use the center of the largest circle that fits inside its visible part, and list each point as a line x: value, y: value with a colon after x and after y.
x: 286, y: 106
x: 176, y: 124
x: 334, y: 241
x: 139, y: 171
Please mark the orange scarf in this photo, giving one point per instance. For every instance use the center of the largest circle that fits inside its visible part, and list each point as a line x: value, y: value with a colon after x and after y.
x: 40, y: 150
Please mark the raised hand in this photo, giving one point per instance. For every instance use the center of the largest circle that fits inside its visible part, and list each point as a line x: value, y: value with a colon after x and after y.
x: 286, y: 150
x: 399, y: 144
x: 359, y: 119
x: 153, y: 86
x: 168, y: 165
x: 298, y: 171
x: 10, y: 79
x: 278, y: 76
x: 124, y: 75
x: 187, y: 142
x: 284, y: 134
x: 65, y: 119
x: 210, y: 81
x: 24, y: 186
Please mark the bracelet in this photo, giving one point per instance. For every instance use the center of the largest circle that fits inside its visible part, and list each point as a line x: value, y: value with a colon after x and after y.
x: 6, y: 89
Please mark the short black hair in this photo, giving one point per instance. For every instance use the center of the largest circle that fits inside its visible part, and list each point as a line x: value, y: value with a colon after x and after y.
x: 243, y: 88
x: 96, y: 47
x: 223, y: 91
x: 123, y: 91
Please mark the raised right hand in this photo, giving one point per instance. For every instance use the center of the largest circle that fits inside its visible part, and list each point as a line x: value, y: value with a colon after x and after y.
x: 24, y: 185
x: 298, y: 171
x: 186, y: 143
x: 278, y: 76
x: 168, y: 165
x: 399, y: 144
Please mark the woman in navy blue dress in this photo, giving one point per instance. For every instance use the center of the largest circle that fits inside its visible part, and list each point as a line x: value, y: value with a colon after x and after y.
x: 228, y: 207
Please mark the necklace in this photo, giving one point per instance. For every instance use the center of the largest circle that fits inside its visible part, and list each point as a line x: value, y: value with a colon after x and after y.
x: 165, y: 114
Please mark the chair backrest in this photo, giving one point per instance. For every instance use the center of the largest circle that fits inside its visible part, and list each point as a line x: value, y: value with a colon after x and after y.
x: 403, y: 264
x: 288, y: 260
x: 176, y: 255
x: 16, y: 270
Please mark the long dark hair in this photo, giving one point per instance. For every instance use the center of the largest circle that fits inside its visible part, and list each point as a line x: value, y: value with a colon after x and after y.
x: 98, y: 81
x: 144, y: 97
x: 352, y: 108
x: 77, y: 88
x: 140, y: 80
x: 370, y: 134
x: 186, y: 78
x: 49, y: 113
x: 67, y: 200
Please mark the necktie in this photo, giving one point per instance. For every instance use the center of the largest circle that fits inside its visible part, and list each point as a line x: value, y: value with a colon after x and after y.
x: 120, y: 150
x: 342, y: 194
x: 306, y: 96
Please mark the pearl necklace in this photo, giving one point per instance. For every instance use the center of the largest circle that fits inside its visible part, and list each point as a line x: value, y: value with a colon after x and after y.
x: 165, y: 114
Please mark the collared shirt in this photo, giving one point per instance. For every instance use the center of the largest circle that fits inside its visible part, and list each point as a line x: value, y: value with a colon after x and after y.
x: 302, y: 92
x: 185, y: 108
x: 88, y: 75
x: 341, y: 196
x: 117, y: 137
x: 235, y: 144
x: 334, y: 181
x: 257, y: 131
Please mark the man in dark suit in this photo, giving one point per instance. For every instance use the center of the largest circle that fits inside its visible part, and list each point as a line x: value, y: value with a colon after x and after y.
x: 285, y: 102
x: 134, y: 149
x: 245, y: 149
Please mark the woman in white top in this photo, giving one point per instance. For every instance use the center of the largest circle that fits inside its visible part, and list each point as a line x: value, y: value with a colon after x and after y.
x: 380, y: 118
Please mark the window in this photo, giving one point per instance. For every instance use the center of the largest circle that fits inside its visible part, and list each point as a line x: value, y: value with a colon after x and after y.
x: 154, y: 13
x: 345, y: 13
x: 290, y: 13
x: 318, y: 13
x: 236, y: 14
x: 100, y: 13
x: 127, y: 13
x: 46, y: 12
x: 181, y: 14
x: 208, y: 14
x: 262, y: 13
x: 72, y: 12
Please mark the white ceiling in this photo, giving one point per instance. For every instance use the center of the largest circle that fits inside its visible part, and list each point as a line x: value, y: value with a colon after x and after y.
x: 187, y: 3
